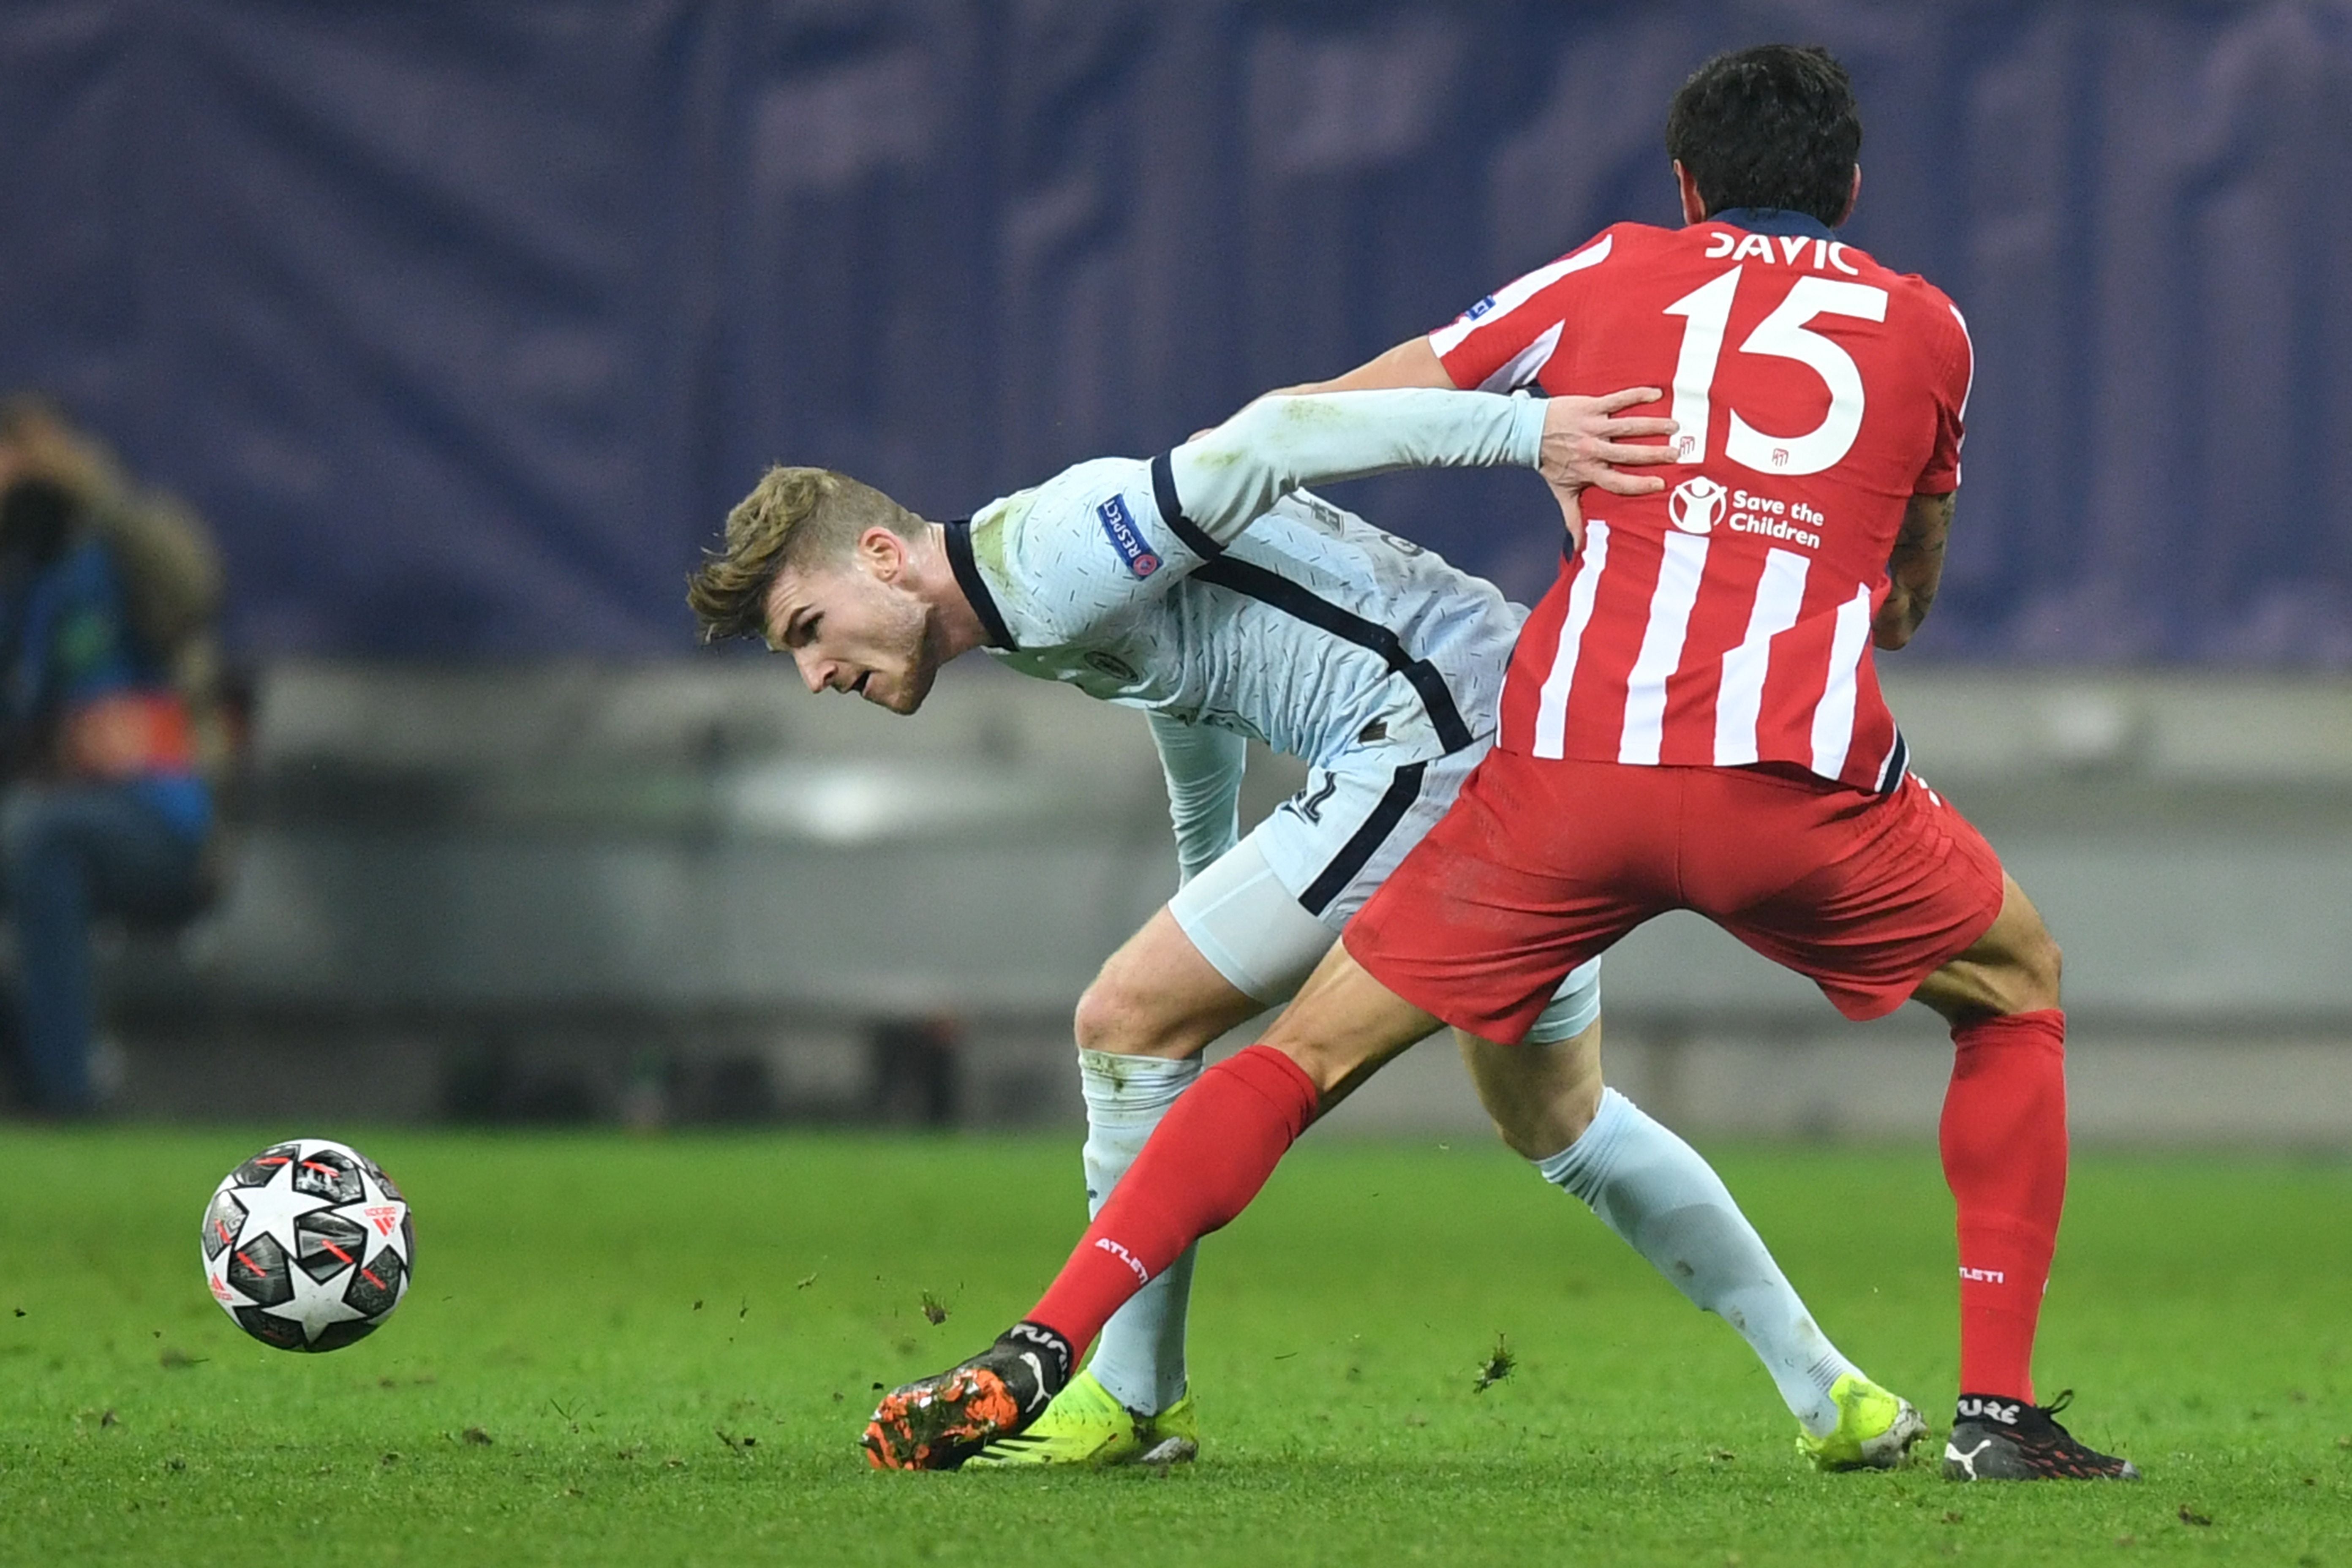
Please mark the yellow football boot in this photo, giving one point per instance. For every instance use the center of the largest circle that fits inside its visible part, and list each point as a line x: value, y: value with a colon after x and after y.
x: 1876, y: 1429
x: 1084, y: 1425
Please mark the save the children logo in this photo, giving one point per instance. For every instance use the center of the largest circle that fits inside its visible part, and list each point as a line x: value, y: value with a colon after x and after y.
x: 1696, y: 504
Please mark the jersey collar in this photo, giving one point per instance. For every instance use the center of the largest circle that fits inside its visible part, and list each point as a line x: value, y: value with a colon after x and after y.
x: 1773, y: 220
x: 975, y: 586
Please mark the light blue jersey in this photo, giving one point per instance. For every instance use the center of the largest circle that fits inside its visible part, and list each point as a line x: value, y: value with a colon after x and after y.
x: 1208, y: 587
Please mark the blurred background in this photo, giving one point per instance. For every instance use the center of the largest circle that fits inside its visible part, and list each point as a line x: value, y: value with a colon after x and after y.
x: 461, y: 326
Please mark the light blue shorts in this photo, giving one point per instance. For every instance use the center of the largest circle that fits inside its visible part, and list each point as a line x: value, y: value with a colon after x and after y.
x: 1268, y: 910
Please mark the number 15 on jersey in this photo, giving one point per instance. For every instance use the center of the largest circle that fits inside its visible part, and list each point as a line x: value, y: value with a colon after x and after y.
x: 1785, y: 334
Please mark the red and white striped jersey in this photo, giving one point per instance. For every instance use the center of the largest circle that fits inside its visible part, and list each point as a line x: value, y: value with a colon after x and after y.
x: 1727, y: 621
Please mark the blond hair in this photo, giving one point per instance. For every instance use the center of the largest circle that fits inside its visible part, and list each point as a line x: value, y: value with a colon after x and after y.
x: 793, y: 517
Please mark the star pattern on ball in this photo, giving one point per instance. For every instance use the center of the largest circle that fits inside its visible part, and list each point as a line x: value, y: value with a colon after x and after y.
x: 308, y: 1244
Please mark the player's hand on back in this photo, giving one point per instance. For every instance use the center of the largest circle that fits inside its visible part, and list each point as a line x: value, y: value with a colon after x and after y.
x: 1588, y: 443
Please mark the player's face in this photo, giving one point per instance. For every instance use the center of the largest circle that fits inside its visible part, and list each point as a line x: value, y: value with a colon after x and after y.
x: 858, y: 626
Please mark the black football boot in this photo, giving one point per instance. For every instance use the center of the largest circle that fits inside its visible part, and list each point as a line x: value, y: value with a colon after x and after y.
x: 1995, y: 1439
x: 936, y: 1423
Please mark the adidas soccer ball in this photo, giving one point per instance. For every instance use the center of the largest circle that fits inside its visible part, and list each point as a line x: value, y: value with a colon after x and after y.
x: 308, y: 1244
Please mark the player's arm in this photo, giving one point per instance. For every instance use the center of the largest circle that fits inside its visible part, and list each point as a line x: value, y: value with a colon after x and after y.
x: 1204, y: 766
x: 1914, y: 570
x: 1599, y: 444
x: 1133, y: 530
x: 1102, y: 537
x: 1220, y: 482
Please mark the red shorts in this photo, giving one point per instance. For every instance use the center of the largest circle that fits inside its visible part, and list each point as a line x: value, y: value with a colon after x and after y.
x: 1541, y: 865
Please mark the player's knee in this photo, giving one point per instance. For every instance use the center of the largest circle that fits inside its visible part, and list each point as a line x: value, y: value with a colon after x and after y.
x: 1540, y: 1096
x: 1106, y: 1018
x: 2041, y: 967
x: 1532, y: 1136
x: 1540, y: 1127
x: 1115, y: 1018
x: 1560, y: 1120
x: 1572, y: 1111
x: 2025, y: 978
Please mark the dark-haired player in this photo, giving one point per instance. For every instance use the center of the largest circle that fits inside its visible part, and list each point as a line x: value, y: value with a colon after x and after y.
x: 1691, y: 721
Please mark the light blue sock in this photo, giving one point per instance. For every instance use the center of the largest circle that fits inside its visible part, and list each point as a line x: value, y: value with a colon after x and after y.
x: 1657, y: 1193
x: 1140, y: 1357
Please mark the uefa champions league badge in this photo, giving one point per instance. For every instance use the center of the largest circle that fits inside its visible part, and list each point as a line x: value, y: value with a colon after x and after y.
x: 1118, y: 526
x: 1696, y: 505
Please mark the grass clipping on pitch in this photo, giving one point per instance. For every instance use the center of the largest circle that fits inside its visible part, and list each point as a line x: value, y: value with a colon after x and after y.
x: 641, y: 1352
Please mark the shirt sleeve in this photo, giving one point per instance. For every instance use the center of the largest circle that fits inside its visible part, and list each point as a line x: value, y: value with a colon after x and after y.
x: 1099, y: 539
x: 1503, y: 343
x: 1210, y: 490
x: 1081, y: 549
x: 1204, y: 765
x: 1957, y: 373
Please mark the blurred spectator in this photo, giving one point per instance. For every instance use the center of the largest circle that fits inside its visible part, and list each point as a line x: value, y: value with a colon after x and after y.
x: 107, y: 600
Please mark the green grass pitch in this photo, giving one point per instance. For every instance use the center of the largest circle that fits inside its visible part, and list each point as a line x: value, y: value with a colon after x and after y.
x: 639, y: 1352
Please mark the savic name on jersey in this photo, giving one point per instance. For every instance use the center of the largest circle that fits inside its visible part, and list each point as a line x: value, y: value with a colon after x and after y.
x: 1727, y: 621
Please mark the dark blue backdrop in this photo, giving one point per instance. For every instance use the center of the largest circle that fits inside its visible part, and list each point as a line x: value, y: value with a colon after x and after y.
x: 464, y: 323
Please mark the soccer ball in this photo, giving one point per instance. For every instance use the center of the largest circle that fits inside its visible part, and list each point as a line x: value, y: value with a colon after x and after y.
x: 308, y: 1244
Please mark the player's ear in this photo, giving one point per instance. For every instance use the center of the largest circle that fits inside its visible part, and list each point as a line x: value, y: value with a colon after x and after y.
x: 1852, y: 196
x: 1694, y: 204
x: 882, y: 552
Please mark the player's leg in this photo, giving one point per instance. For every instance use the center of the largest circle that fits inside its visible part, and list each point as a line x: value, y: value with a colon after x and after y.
x: 1649, y: 1185
x: 1240, y: 937
x: 1202, y: 1166
x: 1664, y: 1200
x: 1471, y: 915
x: 1141, y: 1027
x: 1232, y: 943
x: 1217, y: 1145
x: 1157, y: 997
x: 1898, y: 897
x: 2003, y: 1137
x: 2015, y: 967
x: 1215, y: 1148
x: 2004, y: 1143
x: 1541, y: 1097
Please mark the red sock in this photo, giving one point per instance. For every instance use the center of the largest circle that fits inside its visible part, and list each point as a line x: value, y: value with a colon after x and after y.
x: 1202, y: 1164
x: 2004, y: 1142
